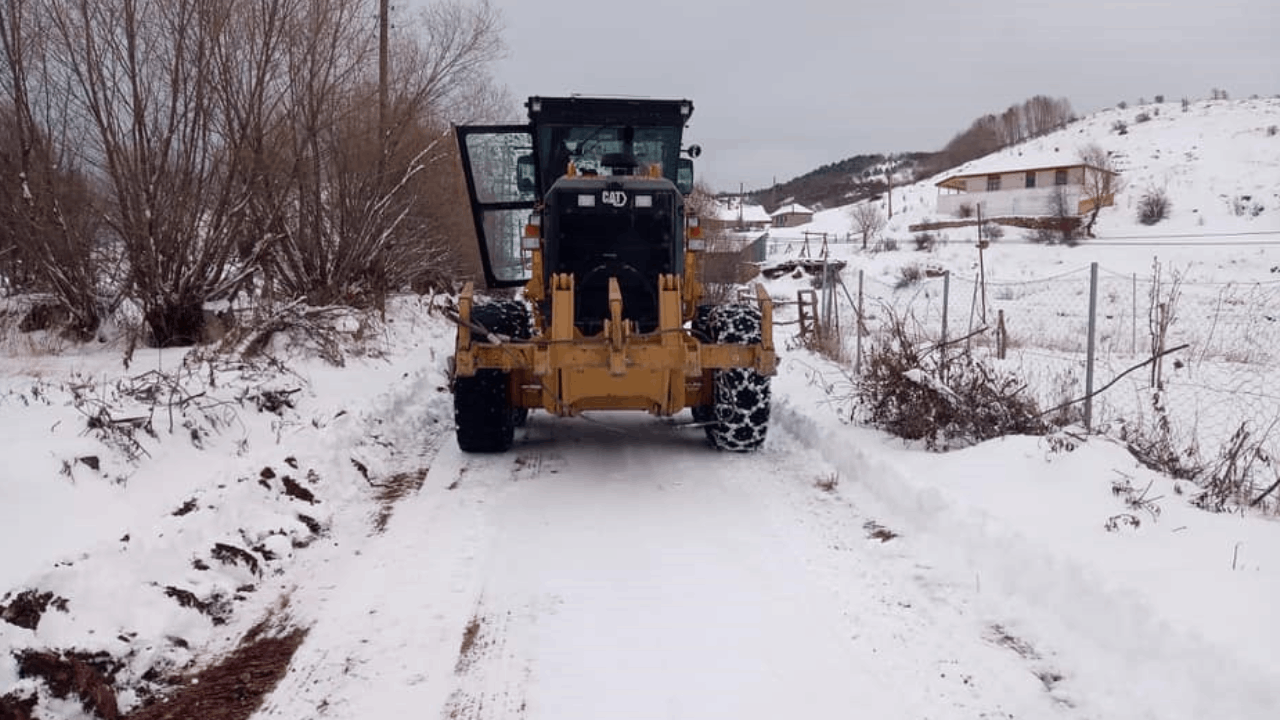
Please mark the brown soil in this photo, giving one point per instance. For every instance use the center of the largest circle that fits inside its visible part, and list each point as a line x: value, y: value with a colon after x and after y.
x: 13, y: 707
x: 234, y: 688
x: 296, y: 491
x: 82, y: 675
x: 28, y: 607
x: 392, y: 490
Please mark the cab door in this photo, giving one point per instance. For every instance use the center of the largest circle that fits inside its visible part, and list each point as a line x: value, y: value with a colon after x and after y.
x: 498, y: 161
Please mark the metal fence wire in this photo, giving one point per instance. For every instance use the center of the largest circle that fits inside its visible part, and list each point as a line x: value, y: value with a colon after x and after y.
x: 1216, y: 347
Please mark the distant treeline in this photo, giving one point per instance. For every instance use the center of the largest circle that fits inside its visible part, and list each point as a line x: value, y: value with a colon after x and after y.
x: 864, y: 176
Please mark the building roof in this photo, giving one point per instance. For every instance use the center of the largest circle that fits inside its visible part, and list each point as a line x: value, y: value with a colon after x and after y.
x: 791, y: 209
x: 1040, y: 154
x: 728, y: 211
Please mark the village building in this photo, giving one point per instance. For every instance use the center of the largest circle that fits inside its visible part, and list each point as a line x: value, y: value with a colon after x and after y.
x: 1025, y: 184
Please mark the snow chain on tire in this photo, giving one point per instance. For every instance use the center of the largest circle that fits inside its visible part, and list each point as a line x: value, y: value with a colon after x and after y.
x: 740, y: 415
x: 482, y: 411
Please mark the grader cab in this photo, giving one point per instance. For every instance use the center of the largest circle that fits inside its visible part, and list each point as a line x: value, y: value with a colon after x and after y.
x: 584, y: 208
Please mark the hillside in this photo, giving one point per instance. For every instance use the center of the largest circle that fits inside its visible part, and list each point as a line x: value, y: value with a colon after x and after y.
x: 838, y: 183
x: 1218, y: 161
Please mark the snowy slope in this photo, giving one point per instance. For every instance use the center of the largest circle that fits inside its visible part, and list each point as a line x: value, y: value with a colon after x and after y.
x: 614, y: 565
x: 1208, y: 158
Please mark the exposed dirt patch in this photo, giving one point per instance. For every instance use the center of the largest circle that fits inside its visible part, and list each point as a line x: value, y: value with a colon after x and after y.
x: 216, y: 608
x: 294, y: 490
x: 86, y: 676
x: 29, y: 606
x: 876, y: 531
x: 13, y: 707
x: 392, y: 490
x: 232, y: 555
x: 317, y: 530
x: 1002, y: 637
x: 187, y: 508
x: 468, y: 650
x: 232, y: 689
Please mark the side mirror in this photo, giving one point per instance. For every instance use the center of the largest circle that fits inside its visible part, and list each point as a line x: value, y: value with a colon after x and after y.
x: 684, y: 176
x: 525, y: 175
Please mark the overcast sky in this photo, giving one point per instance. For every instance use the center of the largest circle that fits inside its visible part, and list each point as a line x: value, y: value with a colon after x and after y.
x: 780, y: 88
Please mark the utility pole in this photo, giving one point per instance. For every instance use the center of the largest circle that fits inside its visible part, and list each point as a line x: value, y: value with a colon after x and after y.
x: 384, y: 40
x: 741, y: 191
x: 889, y: 181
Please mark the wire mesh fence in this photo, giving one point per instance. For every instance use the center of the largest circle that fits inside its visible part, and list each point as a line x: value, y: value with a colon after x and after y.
x: 1197, y: 364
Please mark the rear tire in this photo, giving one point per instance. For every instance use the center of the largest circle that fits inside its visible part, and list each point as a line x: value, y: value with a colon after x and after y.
x: 740, y: 415
x: 483, y: 415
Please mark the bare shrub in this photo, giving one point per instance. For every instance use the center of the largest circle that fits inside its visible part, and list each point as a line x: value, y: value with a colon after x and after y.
x: 1229, y: 481
x: 901, y: 393
x: 1120, y: 127
x: 1242, y: 205
x: 1155, y: 444
x: 1142, y: 117
x: 992, y: 231
x: 925, y: 241
x: 909, y: 275
x: 965, y: 210
x: 1153, y: 206
x: 868, y: 220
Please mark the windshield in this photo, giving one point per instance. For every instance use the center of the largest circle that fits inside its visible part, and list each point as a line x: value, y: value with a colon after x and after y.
x: 587, y: 145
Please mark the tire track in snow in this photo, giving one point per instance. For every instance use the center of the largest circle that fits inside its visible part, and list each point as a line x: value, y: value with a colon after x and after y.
x: 656, y: 578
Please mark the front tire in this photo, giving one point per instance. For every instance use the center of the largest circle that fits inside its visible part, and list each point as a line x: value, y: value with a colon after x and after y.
x: 482, y: 412
x: 483, y: 415
x: 740, y: 415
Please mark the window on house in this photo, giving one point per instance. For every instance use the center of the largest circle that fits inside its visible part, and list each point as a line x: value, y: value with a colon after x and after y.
x: 1059, y: 177
x: 1031, y: 179
x: 993, y: 183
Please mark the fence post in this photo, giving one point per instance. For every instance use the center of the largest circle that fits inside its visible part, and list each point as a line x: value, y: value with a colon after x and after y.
x: 857, y: 329
x: 1134, y: 342
x: 1088, y: 372
x: 946, y: 302
x: 1001, y: 338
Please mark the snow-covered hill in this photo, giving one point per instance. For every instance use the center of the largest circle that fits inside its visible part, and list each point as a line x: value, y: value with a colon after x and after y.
x: 1218, y: 161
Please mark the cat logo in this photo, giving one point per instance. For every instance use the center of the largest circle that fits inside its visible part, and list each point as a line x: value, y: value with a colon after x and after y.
x: 616, y: 198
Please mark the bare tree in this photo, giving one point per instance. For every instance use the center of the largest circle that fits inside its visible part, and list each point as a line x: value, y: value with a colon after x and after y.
x: 1101, y: 183
x: 47, y: 209
x: 868, y: 220
x: 376, y: 213
x: 146, y: 75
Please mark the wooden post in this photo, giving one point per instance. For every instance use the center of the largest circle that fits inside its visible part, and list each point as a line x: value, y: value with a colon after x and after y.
x: 1001, y: 338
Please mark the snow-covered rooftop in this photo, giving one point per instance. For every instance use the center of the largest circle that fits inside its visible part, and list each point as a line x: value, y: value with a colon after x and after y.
x: 733, y: 210
x: 791, y: 209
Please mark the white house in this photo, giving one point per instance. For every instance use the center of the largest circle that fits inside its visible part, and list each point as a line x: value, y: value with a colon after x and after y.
x: 1022, y: 184
x: 733, y: 214
x: 790, y: 215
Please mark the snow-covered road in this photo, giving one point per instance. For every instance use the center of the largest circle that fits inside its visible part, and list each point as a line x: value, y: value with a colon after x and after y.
x: 617, y: 567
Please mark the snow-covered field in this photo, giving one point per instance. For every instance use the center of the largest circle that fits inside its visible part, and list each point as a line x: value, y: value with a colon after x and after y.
x: 614, y: 566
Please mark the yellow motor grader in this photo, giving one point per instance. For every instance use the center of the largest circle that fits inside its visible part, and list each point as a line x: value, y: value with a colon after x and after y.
x: 584, y: 207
